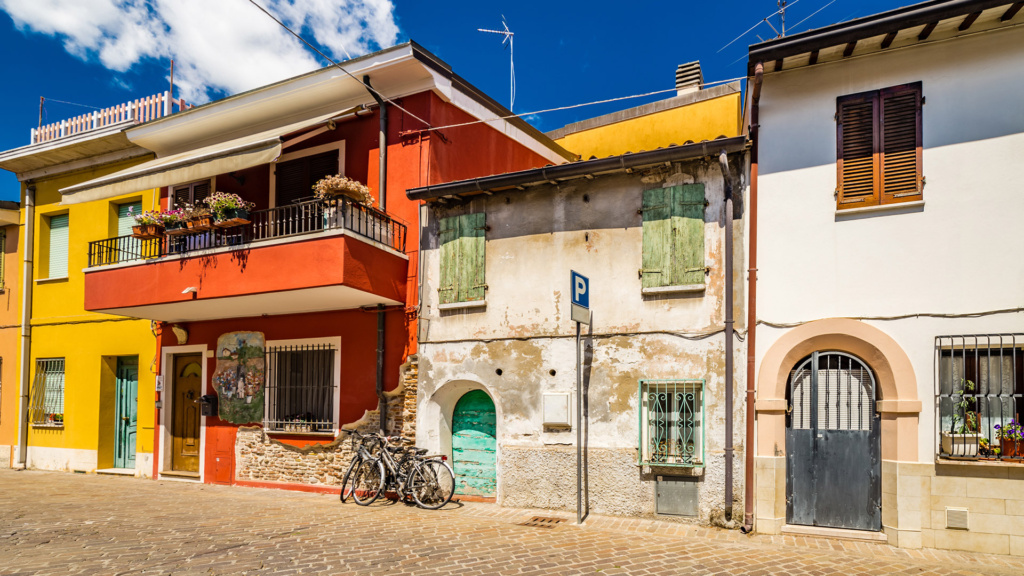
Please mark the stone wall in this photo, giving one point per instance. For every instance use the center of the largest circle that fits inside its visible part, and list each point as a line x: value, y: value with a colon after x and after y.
x: 261, y: 458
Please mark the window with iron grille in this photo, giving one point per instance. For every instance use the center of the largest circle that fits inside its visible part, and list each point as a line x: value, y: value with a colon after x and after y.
x: 878, y: 140
x: 47, y: 406
x: 301, y: 388
x: 979, y: 393
x: 672, y: 422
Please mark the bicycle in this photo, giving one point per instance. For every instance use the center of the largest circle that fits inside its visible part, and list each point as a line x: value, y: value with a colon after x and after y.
x: 363, y: 450
x: 427, y: 479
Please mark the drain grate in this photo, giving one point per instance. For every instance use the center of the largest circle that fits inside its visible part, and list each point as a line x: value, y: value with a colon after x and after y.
x: 542, y: 522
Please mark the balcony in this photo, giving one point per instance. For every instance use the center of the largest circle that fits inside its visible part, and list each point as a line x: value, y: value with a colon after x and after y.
x: 304, y: 257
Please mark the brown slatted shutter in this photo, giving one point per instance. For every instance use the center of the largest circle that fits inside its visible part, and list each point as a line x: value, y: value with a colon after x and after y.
x: 289, y: 180
x: 320, y: 166
x: 182, y: 196
x: 200, y: 190
x: 857, y: 151
x: 900, y: 128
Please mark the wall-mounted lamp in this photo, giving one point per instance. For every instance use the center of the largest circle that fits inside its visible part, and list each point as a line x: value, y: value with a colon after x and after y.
x: 191, y: 290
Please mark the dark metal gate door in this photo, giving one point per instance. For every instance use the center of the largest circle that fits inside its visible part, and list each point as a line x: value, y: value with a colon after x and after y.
x: 833, y: 453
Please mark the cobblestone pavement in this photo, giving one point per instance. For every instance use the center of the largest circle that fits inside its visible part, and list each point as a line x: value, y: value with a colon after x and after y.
x: 58, y: 523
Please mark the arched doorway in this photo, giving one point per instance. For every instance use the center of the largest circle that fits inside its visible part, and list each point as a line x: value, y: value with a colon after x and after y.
x: 833, y: 448
x: 474, y: 444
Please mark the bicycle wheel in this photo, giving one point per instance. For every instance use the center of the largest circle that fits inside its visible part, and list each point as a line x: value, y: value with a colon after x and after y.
x: 346, y: 482
x: 368, y: 482
x: 432, y: 484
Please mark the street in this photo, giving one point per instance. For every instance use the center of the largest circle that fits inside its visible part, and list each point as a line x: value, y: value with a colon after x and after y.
x: 60, y: 523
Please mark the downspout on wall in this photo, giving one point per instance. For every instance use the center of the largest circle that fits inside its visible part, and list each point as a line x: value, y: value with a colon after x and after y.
x: 26, y: 323
x: 723, y: 160
x: 748, y: 453
x: 382, y: 401
x: 382, y: 177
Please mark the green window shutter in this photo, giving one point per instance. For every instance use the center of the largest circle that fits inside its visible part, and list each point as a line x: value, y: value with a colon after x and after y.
x: 125, y: 221
x: 657, y: 238
x: 58, y: 246
x: 688, y: 234
x: 472, y: 256
x: 448, y: 292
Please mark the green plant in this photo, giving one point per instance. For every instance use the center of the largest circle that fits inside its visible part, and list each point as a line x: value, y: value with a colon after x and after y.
x: 193, y: 212
x: 1012, y: 431
x: 171, y: 217
x: 967, y: 420
x: 147, y: 218
x: 221, y: 202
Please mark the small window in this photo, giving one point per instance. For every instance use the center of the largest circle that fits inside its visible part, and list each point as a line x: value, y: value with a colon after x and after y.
x: 47, y: 407
x: 979, y: 395
x: 300, y: 388
x: 193, y: 193
x: 672, y: 422
x: 463, y: 259
x: 673, y: 239
x: 294, y: 179
x: 878, y: 137
x: 57, y: 261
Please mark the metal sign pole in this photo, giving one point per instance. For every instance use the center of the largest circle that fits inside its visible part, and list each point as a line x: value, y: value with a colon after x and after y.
x: 579, y: 431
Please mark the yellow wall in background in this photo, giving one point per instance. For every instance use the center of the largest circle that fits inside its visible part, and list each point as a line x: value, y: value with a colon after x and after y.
x: 704, y: 120
x: 87, y: 341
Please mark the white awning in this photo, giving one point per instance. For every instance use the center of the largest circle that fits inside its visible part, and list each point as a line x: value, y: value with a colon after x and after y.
x: 238, y: 154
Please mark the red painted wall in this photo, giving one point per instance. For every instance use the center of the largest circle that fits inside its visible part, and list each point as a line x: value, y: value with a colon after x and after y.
x: 358, y: 332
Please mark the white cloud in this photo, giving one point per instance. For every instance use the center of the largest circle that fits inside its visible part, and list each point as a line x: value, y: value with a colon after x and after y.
x: 219, y: 46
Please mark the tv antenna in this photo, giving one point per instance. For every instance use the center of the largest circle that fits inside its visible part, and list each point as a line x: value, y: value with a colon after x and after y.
x: 507, y: 41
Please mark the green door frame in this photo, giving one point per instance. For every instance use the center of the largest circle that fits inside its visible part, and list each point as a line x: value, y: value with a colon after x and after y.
x: 126, y: 411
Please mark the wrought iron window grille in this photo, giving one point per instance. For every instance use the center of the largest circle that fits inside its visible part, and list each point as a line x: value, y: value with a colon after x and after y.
x: 297, y: 219
x: 300, y: 395
x: 671, y: 423
x: 979, y: 397
x: 46, y: 408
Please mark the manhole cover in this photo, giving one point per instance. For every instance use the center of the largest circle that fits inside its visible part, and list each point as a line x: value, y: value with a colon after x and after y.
x: 543, y: 522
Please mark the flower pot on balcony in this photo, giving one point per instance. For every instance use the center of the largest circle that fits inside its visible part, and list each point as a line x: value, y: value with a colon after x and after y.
x: 200, y: 224
x: 1012, y: 448
x: 177, y: 229
x: 147, y: 231
x: 960, y: 445
x: 233, y: 217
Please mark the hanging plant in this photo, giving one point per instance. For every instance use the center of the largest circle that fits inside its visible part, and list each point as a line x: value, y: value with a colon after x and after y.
x: 228, y: 209
x: 338, y: 185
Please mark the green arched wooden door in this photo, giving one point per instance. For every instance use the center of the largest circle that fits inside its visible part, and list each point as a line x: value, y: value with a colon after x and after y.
x: 473, y: 444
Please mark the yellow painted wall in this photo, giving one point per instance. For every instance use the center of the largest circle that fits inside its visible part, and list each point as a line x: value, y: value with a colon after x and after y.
x: 87, y: 341
x: 10, y: 349
x: 704, y: 120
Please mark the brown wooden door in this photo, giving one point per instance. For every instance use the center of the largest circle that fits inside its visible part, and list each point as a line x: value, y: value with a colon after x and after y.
x: 188, y: 376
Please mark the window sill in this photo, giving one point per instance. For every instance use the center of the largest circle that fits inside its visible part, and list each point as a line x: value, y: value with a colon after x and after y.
x: 462, y: 305
x: 881, y: 208
x: 941, y: 461
x: 331, y: 434
x: 49, y: 426
x: 51, y: 280
x: 683, y: 289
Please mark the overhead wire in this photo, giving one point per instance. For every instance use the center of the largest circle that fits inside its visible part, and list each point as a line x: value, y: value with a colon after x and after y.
x: 761, y: 21
x: 71, y: 103
x: 339, y: 66
x: 813, y: 13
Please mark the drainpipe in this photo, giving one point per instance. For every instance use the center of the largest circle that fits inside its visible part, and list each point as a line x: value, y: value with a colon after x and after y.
x: 748, y: 452
x: 26, y: 322
x: 723, y: 160
x: 383, y: 144
x: 382, y: 403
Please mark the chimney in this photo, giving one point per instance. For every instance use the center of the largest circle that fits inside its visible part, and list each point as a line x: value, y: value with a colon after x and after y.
x: 689, y: 78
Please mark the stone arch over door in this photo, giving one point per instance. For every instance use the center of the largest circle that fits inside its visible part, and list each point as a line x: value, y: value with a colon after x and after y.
x: 899, y: 405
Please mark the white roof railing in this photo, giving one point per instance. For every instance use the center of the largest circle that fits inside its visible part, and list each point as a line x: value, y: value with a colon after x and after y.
x: 137, y: 111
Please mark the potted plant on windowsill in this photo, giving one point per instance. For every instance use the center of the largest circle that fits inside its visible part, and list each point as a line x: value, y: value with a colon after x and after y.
x: 148, y: 224
x: 963, y: 438
x: 1011, y: 439
x: 228, y: 210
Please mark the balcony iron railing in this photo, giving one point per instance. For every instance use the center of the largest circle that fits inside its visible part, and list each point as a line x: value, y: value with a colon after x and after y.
x: 281, y: 222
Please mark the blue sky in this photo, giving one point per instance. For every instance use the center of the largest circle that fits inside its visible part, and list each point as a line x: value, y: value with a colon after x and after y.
x: 103, y: 52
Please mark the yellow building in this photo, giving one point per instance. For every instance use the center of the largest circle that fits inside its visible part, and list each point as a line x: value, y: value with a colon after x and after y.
x: 696, y: 113
x: 87, y: 391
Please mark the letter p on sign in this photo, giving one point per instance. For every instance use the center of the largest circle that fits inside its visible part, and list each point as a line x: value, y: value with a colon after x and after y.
x: 580, y: 285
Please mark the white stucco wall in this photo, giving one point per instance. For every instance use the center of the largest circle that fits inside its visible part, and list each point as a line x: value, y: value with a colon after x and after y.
x: 959, y: 254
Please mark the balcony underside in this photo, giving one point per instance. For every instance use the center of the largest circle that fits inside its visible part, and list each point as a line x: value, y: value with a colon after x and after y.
x: 321, y: 299
x: 331, y: 270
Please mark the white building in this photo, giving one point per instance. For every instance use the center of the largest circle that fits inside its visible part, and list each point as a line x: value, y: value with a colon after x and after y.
x: 889, y: 252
